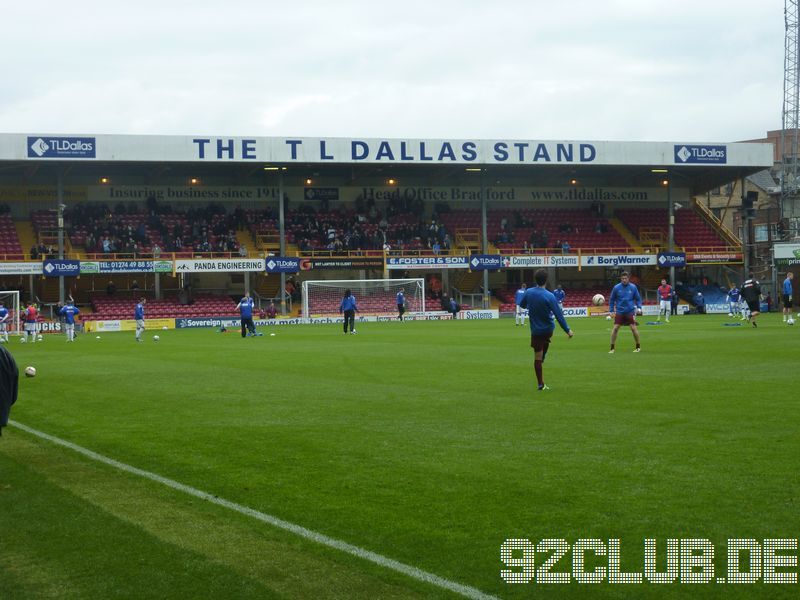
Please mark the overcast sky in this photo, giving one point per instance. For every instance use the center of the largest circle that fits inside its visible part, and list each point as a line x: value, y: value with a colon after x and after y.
x: 672, y: 70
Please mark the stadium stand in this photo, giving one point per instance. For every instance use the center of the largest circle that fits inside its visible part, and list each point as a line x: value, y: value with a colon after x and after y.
x: 650, y: 224
x: 540, y: 228
x: 10, y: 248
x: 109, y: 308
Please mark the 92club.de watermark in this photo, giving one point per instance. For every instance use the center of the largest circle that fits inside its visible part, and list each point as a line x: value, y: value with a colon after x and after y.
x: 686, y: 561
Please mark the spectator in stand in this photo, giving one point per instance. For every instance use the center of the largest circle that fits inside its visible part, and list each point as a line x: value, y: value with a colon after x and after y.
x: 106, y: 245
x: 156, y: 250
x: 135, y: 287
x: 34, y: 252
x: 674, y: 303
x: 565, y: 247
x: 271, y: 311
x: 111, y: 289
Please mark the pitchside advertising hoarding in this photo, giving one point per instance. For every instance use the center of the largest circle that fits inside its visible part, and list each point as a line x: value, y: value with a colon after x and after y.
x: 671, y: 259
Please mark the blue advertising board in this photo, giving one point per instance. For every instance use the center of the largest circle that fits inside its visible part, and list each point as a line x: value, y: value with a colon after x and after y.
x: 55, y: 267
x: 693, y: 154
x: 486, y: 262
x: 282, y: 264
x: 671, y: 259
x: 61, y: 147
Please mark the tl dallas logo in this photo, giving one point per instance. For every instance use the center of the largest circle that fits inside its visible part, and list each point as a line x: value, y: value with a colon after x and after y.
x: 62, y: 147
x: 701, y: 154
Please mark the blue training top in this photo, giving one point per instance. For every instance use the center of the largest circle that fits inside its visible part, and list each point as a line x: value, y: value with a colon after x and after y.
x: 560, y: 294
x: 518, y: 296
x: 348, y: 303
x: 246, y: 307
x: 69, y: 311
x: 542, y: 307
x: 625, y: 298
x: 733, y: 295
x: 787, y: 286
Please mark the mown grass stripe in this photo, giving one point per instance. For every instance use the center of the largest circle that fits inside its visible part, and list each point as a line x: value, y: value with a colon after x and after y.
x: 299, y: 530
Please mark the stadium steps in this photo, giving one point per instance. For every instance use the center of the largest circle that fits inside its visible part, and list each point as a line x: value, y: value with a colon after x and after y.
x: 626, y: 234
x: 468, y: 281
x: 717, y: 225
x: 268, y: 286
x: 246, y: 239
x: 26, y: 235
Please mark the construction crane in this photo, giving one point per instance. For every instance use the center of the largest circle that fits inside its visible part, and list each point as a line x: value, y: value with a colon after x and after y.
x: 790, y: 191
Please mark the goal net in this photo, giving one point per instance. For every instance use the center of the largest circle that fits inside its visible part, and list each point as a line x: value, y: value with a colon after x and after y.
x: 10, y: 302
x: 373, y: 296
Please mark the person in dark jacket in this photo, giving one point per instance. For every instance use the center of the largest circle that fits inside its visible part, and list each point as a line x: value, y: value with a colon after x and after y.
x: 9, y: 382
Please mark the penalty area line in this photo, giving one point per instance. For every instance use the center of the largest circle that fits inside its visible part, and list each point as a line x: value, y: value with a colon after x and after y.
x: 299, y: 530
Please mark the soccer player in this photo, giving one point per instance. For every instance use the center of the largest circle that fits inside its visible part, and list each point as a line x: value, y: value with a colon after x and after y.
x: 349, y: 308
x: 245, y: 308
x: 787, y: 296
x: 624, y: 304
x: 664, y: 299
x: 751, y: 293
x: 68, y: 311
x: 138, y: 316
x: 542, y: 306
x: 519, y: 315
x: 30, y: 315
x: 560, y: 294
x: 733, y: 301
x: 401, y: 303
x: 5, y: 317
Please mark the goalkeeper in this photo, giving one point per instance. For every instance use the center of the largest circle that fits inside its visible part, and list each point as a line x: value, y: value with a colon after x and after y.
x: 349, y: 308
x: 401, y: 304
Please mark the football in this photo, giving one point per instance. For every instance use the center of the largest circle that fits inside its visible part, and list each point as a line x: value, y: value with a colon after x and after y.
x: 156, y: 338
x: 598, y: 299
x: 790, y: 321
x: 23, y: 339
x: 30, y: 371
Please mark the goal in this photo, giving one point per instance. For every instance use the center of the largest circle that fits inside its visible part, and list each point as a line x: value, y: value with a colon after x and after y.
x: 373, y: 296
x: 10, y: 300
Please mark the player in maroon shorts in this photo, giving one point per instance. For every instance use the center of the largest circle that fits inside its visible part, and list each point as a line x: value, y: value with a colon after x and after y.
x: 542, y: 306
x: 624, y: 304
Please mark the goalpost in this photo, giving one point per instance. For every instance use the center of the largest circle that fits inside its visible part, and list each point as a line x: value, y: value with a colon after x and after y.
x: 10, y: 300
x: 373, y: 296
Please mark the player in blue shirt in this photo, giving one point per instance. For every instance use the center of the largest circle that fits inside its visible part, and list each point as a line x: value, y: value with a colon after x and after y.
x: 519, y: 314
x: 349, y: 308
x: 733, y: 302
x: 68, y: 311
x: 787, y: 296
x: 245, y: 308
x: 624, y: 304
x: 401, y: 304
x: 5, y: 317
x: 560, y: 294
x: 542, y: 307
x: 138, y: 315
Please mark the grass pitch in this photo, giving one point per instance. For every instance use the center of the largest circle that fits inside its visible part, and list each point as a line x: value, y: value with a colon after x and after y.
x: 425, y: 442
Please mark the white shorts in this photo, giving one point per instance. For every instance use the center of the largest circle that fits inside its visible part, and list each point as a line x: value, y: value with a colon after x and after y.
x: 3, y: 326
x: 30, y: 327
x: 139, y: 323
x: 521, y: 312
x: 666, y: 305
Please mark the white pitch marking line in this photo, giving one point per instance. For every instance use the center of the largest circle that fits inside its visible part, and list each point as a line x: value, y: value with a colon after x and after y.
x: 379, y: 559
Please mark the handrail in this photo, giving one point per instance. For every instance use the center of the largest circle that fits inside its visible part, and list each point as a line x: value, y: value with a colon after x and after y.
x: 715, y: 222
